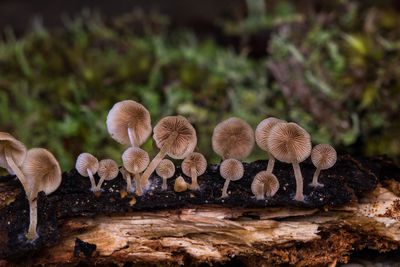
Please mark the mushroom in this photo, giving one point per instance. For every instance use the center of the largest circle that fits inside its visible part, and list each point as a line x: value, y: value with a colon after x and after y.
x: 262, y: 132
x: 323, y: 156
x: 194, y: 165
x: 264, y: 183
x: 230, y: 170
x: 290, y: 143
x: 233, y: 139
x: 108, y: 170
x: 43, y: 173
x: 129, y: 123
x: 12, y: 156
x: 135, y: 161
x: 180, y: 185
x: 166, y: 169
x: 127, y: 177
x: 175, y: 137
x: 87, y: 165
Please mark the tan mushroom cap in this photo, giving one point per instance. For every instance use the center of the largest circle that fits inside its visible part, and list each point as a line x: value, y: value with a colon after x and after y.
x: 323, y: 156
x: 289, y: 143
x: 185, y: 141
x: 129, y: 114
x: 108, y: 169
x: 135, y: 160
x: 180, y: 184
x: 18, y: 150
x: 40, y: 166
x: 194, y: 160
x: 86, y: 161
x: 265, y: 183
x: 263, y: 130
x: 233, y: 138
x: 231, y: 169
x: 166, y: 169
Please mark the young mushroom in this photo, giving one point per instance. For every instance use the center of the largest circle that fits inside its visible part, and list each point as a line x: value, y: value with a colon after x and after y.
x: 166, y: 169
x: 43, y: 173
x: 108, y: 170
x: 230, y: 170
x: 135, y: 161
x: 87, y: 165
x: 323, y: 156
x: 262, y: 132
x: 129, y: 123
x: 180, y: 184
x: 290, y: 143
x: 175, y: 137
x: 127, y: 177
x: 264, y: 183
x: 194, y: 165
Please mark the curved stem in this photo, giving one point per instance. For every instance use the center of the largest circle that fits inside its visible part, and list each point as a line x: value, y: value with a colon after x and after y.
x: 98, y: 187
x: 139, y: 191
x: 194, y: 185
x: 21, y: 177
x: 157, y: 159
x: 315, y: 177
x: 271, y: 163
x: 132, y: 138
x: 225, y: 189
x: 32, y: 234
x: 164, y: 184
x: 91, y: 180
x: 129, y: 183
x: 299, y: 182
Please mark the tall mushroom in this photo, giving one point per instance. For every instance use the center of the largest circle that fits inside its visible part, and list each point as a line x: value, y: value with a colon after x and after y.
x: 262, y: 132
x: 135, y: 161
x: 175, y: 137
x: 166, y: 169
x: 108, y: 170
x: 12, y: 156
x: 230, y: 170
x: 87, y: 165
x: 194, y: 165
x: 43, y: 173
x: 323, y: 156
x: 233, y: 139
x: 129, y: 123
x: 264, y: 183
x: 290, y: 143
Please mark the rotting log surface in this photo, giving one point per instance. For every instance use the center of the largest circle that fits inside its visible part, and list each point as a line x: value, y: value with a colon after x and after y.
x: 351, y: 212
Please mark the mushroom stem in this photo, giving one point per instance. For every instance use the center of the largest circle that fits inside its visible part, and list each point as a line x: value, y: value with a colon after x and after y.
x: 129, y: 183
x: 17, y: 171
x: 132, y: 137
x: 139, y: 191
x: 271, y: 163
x: 194, y: 185
x: 315, y: 178
x: 164, y: 184
x: 98, y: 187
x: 225, y: 189
x: 299, y: 182
x: 91, y: 179
x: 32, y: 234
x: 157, y: 159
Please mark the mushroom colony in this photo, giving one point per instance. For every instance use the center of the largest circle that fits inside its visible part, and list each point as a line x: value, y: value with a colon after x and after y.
x: 129, y: 123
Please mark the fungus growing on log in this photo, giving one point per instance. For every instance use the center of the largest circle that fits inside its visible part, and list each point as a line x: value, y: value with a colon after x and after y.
x: 43, y: 173
x: 323, y: 156
x: 230, y: 170
x: 166, y: 169
x: 193, y: 166
x: 180, y: 185
x: 135, y: 161
x: 108, y: 170
x: 264, y: 183
x: 87, y: 165
x: 290, y: 143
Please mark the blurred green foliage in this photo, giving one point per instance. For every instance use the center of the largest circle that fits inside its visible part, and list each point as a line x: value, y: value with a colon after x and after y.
x: 336, y: 74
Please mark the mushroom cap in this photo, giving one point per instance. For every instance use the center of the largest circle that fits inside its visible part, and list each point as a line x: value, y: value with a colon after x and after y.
x: 231, y: 169
x: 129, y: 114
x: 184, y: 143
x: 233, y: 138
x: 194, y: 160
x: 265, y: 183
x: 135, y: 160
x: 108, y: 169
x: 289, y: 143
x: 180, y: 184
x: 166, y: 169
x: 263, y: 130
x: 323, y: 156
x: 86, y: 161
x: 40, y: 166
x: 18, y: 150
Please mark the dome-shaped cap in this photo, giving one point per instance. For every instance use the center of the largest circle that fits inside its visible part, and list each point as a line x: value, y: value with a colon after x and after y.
x: 17, y: 149
x: 135, y: 160
x: 194, y: 160
x: 185, y: 141
x: 289, y: 143
x: 233, y: 138
x: 86, y: 161
x: 166, y: 169
x: 231, y: 169
x: 129, y: 114
x: 323, y: 156
x: 263, y: 130
x: 40, y: 166
x: 108, y: 169
x: 265, y: 183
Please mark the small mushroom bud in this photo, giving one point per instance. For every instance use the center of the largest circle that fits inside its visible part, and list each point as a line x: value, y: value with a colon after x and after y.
x: 166, y: 169
x: 180, y: 185
x: 323, y: 156
x: 108, y: 170
x: 230, y: 170
x: 135, y: 161
x: 127, y: 177
x: 193, y: 166
x: 264, y: 183
x: 87, y: 165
